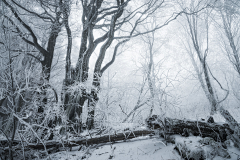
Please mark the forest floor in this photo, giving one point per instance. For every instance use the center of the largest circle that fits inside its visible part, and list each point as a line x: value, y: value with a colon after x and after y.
x: 141, y: 148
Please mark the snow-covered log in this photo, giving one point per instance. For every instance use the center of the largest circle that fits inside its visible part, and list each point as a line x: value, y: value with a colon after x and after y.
x: 197, y: 148
x: 55, y: 146
x: 94, y: 140
x: 188, y: 127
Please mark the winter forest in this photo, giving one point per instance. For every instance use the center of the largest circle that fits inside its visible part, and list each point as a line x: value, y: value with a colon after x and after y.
x: 119, y: 79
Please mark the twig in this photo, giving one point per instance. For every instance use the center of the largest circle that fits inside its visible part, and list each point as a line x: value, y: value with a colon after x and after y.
x: 142, y: 151
x: 157, y: 149
x: 5, y: 135
x: 30, y: 127
x: 122, y: 110
x: 22, y: 144
x: 219, y: 139
x: 199, y: 128
x: 163, y: 143
x: 89, y: 133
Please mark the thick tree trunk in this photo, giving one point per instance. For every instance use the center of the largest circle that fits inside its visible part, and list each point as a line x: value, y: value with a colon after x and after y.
x: 87, y: 47
x: 48, y: 57
x: 93, y: 101
x: 73, y: 105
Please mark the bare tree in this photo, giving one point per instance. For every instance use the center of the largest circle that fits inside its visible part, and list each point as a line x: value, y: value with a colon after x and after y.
x: 151, y: 69
x: 141, y: 101
x: 38, y: 24
x: 25, y: 87
x: 15, y: 82
x: 230, y: 19
x: 46, y: 12
x: 203, y: 71
x: 110, y: 19
x: 229, y: 31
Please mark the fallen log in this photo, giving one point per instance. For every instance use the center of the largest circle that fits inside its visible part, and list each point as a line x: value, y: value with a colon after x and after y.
x: 94, y: 140
x: 55, y: 146
x: 188, y: 127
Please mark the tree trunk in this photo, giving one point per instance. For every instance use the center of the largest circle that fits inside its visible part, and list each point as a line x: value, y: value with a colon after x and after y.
x: 93, y: 100
x: 73, y: 105
x: 150, y: 83
x: 211, y: 96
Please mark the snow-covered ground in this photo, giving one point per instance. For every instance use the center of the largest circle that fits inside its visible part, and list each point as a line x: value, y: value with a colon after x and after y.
x: 143, y: 148
x: 193, y: 143
x: 136, y: 149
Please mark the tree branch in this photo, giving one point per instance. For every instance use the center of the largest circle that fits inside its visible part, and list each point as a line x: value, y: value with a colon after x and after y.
x: 170, y: 19
x: 35, y: 41
x: 19, y: 31
x: 114, y: 55
x: 34, y: 13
